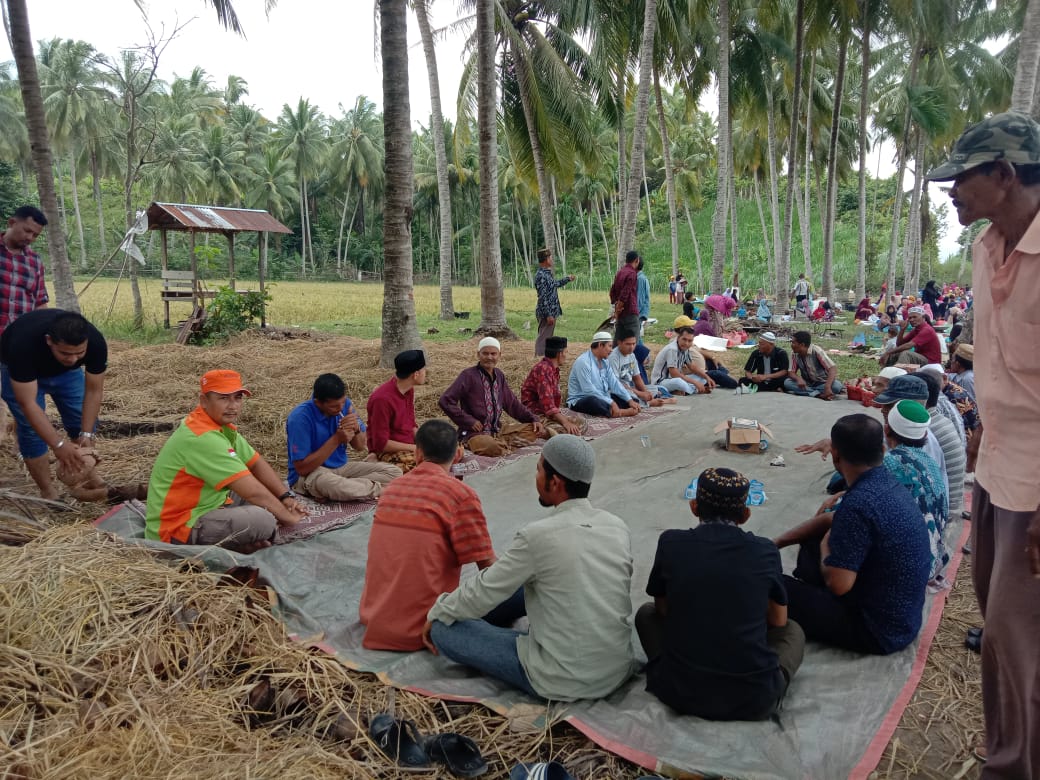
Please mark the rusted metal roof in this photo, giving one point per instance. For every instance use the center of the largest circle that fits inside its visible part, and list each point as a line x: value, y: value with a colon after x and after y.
x: 211, y: 219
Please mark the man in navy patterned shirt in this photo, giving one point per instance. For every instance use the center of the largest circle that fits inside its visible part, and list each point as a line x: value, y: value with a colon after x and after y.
x: 548, y: 307
x: 864, y: 563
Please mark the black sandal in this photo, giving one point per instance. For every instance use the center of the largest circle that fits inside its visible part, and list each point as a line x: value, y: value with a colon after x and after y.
x: 458, y: 753
x: 401, y: 741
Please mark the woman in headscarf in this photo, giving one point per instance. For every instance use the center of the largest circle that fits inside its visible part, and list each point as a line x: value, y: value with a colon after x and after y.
x: 864, y: 310
x: 930, y: 296
x: 718, y: 308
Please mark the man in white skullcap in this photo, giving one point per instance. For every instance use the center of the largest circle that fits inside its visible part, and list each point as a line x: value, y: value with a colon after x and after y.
x: 475, y: 402
x: 593, y: 387
x: 575, y: 569
x: 767, y: 366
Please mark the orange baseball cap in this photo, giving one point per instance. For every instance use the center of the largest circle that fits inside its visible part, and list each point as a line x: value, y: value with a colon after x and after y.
x: 222, y: 381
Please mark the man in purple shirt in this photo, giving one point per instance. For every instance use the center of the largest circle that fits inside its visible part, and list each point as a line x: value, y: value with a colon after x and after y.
x: 475, y: 402
x: 624, y: 295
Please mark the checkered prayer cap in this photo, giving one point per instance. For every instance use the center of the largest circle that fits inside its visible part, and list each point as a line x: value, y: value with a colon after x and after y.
x: 721, y: 489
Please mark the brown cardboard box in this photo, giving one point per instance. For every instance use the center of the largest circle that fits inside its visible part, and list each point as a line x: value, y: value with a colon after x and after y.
x: 743, y: 435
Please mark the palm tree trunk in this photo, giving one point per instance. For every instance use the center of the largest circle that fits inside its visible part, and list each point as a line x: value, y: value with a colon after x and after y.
x: 1028, y: 58
x: 441, y: 155
x: 39, y: 141
x: 784, y: 270
x: 669, y: 174
x: 649, y: 211
x: 350, y: 233
x: 342, y: 227
x: 622, y: 164
x: 913, y: 228
x: 774, y: 193
x: 806, y: 213
x: 718, y: 222
x: 96, y: 181
x: 600, y: 206
x: 492, y: 297
x: 561, y: 237
x: 76, y: 213
x: 696, y: 249
x: 525, y: 83
x: 734, y: 239
x: 864, y: 103
x: 832, y: 169
x: 635, y: 178
x: 525, y: 250
x: 400, y: 331
x: 762, y: 222
x: 901, y: 152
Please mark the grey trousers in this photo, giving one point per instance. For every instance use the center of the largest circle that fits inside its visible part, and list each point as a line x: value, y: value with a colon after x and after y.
x: 237, y: 526
x: 545, y: 330
x: 1009, y: 597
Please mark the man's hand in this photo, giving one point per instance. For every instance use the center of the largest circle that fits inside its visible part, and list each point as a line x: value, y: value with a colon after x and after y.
x: 711, y: 383
x: 539, y: 429
x: 477, y: 427
x: 88, y: 446
x: 646, y: 395
x: 823, y: 446
x: 827, y: 395
x: 974, y: 443
x: 801, y: 382
x: 290, y: 503
x: 427, y: 640
x: 572, y: 277
x: 1033, y: 544
x: 569, y: 426
x: 550, y: 321
x: 70, y: 456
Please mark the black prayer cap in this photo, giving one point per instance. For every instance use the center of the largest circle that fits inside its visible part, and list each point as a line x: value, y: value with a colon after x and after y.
x: 556, y: 343
x: 409, y: 361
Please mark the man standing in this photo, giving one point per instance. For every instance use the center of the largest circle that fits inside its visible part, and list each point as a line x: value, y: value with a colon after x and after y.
x: 813, y: 373
x: 548, y: 307
x: 923, y: 339
x: 22, y: 286
x: 391, y: 411
x: 862, y: 566
x: 800, y: 291
x: 767, y: 367
x: 624, y: 294
x: 201, y: 463
x: 575, y: 568
x: 475, y: 402
x: 427, y: 526
x: 680, y: 367
x: 541, y: 394
x: 317, y: 433
x: 594, y: 388
x: 41, y: 354
x: 996, y: 176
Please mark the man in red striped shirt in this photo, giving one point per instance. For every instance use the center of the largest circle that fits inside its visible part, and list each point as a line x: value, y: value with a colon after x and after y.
x: 427, y: 526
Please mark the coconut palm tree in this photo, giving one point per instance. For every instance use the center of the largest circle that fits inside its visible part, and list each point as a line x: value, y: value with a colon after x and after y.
x: 357, y: 163
x: 300, y: 135
x: 1026, y: 86
x: 270, y: 182
x: 725, y: 158
x: 421, y: 8
x: 399, y: 327
x: 221, y: 159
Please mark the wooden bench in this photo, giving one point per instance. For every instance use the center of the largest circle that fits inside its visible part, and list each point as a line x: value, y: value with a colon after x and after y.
x: 182, y: 286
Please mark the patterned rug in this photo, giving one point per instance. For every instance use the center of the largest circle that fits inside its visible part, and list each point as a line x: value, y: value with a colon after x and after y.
x: 323, y: 517
x: 597, y: 427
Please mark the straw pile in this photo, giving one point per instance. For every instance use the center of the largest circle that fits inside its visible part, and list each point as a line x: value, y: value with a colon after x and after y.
x: 115, y: 664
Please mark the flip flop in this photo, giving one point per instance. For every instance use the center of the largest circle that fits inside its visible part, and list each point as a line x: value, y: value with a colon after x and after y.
x: 973, y: 640
x: 401, y: 741
x: 457, y: 752
x: 550, y: 770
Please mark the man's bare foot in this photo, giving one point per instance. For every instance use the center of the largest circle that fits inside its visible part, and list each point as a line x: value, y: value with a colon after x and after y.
x: 656, y: 402
x: 628, y: 412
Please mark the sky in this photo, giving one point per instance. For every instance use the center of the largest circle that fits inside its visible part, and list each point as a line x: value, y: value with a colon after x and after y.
x: 323, y: 50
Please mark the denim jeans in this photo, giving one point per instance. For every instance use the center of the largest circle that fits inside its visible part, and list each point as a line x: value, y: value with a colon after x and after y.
x: 674, y: 384
x: 65, y: 389
x: 792, y: 387
x: 488, y: 648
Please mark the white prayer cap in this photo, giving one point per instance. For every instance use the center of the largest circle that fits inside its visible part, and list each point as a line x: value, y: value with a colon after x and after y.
x: 892, y: 372
x: 489, y: 341
x: 602, y: 335
x: 935, y: 368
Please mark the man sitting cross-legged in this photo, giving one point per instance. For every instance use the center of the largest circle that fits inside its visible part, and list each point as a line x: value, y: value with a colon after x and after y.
x: 427, y: 526
x: 862, y: 566
x: 624, y: 363
x: 318, y: 432
x: 575, y: 568
x: 475, y: 402
x: 767, y: 367
x: 391, y: 411
x: 680, y: 368
x: 201, y: 463
x: 719, y: 581
x: 594, y: 388
x: 813, y: 373
x: 541, y: 394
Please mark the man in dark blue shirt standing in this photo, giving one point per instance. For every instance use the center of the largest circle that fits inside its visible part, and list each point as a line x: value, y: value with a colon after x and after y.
x: 863, y: 564
x: 548, y: 307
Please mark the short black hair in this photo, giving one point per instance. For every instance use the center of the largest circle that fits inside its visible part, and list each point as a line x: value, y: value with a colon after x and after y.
x: 685, y: 330
x: 543, y: 255
x: 69, y: 328
x: 631, y: 255
x: 551, y: 353
x: 574, y: 489
x: 934, y: 387
x: 30, y: 212
x: 903, y: 440
x: 968, y: 364
x: 802, y: 337
x: 1027, y: 173
x: 438, y: 440
x: 329, y: 387
x: 859, y: 439
x: 624, y: 333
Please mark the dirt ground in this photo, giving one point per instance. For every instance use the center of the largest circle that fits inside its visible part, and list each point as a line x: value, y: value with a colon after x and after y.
x: 149, y: 389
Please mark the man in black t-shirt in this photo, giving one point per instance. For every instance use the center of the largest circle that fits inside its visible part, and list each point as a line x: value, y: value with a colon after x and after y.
x: 41, y: 353
x: 768, y: 366
x: 717, y: 635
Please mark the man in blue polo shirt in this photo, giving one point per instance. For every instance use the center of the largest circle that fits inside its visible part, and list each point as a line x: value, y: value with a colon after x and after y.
x: 318, y: 432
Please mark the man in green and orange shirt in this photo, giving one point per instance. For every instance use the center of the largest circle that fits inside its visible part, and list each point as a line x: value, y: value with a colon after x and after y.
x: 201, y: 463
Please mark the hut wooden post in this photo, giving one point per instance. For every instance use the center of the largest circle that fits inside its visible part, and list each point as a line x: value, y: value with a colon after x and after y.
x: 165, y: 267
x: 231, y: 258
x: 196, y: 289
x: 262, y: 272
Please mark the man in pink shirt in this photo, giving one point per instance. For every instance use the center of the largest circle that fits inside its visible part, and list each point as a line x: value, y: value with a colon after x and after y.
x: 923, y: 339
x: 995, y: 170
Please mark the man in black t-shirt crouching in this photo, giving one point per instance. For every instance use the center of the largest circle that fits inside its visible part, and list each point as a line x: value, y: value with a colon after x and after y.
x: 717, y: 635
x: 41, y: 353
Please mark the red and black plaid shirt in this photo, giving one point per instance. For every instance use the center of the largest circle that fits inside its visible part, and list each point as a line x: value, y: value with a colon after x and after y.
x: 541, y: 390
x: 22, y: 288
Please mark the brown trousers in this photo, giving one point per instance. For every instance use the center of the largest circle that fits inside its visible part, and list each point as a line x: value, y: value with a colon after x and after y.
x: 545, y: 330
x: 1009, y: 597
x: 404, y: 460
x: 510, y: 436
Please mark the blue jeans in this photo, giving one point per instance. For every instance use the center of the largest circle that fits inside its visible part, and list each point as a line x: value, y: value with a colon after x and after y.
x: 487, y: 648
x: 65, y: 389
x: 791, y: 386
x: 642, y: 353
x: 597, y: 407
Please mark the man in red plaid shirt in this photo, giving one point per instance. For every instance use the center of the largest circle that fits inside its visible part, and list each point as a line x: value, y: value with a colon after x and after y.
x: 22, y: 288
x: 541, y: 391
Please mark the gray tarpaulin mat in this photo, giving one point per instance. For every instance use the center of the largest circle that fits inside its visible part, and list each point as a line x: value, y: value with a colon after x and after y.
x: 840, y: 708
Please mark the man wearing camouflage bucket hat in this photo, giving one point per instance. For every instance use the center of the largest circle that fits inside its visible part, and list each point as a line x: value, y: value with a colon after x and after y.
x: 995, y: 170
